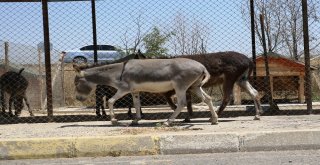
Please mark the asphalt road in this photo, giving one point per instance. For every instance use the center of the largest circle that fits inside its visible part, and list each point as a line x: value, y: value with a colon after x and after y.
x: 300, y: 157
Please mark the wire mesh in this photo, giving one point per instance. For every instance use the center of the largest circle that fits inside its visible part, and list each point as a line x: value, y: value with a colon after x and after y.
x: 159, y: 29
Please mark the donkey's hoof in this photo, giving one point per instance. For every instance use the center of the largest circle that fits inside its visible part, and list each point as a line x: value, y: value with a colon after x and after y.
x: 167, y: 124
x: 31, y: 114
x: 256, y: 117
x: 114, y: 122
x: 187, y: 120
x: 135, y: 122
x: 130, y: 117
x: 214, y: 121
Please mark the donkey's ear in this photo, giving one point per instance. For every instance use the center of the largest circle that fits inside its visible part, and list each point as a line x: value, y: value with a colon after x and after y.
x: 140, y: 55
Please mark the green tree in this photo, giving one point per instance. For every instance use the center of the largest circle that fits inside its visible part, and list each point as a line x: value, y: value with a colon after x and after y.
x: 154, y: 43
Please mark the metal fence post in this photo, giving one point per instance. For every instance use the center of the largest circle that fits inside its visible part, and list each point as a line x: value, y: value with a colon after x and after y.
x: 47, y: 56
x: 308, y: 91
x: 94, y: 30
x: 253, y: 41
x: 6, y: 56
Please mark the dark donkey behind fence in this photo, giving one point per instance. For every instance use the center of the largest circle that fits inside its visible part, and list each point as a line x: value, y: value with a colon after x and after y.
x: 15, y: 85
x: 149, y: 75
x: 226, y: 68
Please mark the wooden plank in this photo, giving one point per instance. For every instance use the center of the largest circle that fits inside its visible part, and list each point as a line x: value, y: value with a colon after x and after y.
x: 301, y: 96
x: 281, y: 73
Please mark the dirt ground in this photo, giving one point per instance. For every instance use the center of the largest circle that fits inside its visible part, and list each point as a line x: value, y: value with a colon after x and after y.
x: 146, y: 127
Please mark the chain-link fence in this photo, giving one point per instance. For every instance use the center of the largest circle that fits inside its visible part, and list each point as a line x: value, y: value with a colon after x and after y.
x: 117, y: 29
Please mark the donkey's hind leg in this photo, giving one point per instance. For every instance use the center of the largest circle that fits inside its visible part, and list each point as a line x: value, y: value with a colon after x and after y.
x: 254, y: 95
x: 103, y: 111
x: 173, y: 106
x: 100, y: 90
x: 181, y: 99
x: 189, y: 107
x: 3, y: 101
x: 99, y: 104
x: 137, y: 106
x: 28, y: 104
x: 11, y: 101
x: 208, y: 100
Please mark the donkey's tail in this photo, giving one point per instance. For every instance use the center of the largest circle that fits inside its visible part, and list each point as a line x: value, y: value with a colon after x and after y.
x: 21, y: 70
x: 245, y: 76
x: 206, y: 77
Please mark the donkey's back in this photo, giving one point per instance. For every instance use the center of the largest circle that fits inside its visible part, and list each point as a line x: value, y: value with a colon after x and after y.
x: 156, y: 74
x: 224, y: 65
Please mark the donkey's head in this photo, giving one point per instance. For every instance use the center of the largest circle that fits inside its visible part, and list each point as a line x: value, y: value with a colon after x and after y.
x: 82, y: 87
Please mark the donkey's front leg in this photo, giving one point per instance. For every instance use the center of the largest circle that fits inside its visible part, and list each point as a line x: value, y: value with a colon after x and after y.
x: 137, y: 106
x: 113, y: 119
x: 111, y: 101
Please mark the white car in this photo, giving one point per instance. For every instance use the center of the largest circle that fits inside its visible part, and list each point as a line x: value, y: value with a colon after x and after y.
x: 86, y: 54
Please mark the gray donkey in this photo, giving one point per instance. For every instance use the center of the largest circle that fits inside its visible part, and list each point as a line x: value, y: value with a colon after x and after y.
x: 149, y: 75
x: 15, y: 85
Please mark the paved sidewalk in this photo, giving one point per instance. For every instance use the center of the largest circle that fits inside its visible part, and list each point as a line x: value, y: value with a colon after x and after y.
x: 100, y: 138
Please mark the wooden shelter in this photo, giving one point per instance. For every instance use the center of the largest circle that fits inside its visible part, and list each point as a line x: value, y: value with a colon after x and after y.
x: 286, y: 79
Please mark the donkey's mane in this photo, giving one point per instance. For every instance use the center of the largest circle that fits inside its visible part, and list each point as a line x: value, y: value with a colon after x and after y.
x: 181, y: 56
x: 194, y: 55
x: 121, y: 60
x: 101, y: 68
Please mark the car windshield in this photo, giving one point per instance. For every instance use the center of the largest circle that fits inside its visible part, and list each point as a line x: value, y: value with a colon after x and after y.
x: 107, y: 47
x: 90, y: 47
x: 100, y: 47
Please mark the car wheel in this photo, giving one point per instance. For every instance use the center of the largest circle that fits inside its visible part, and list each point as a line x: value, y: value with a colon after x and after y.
x: 80, y: 60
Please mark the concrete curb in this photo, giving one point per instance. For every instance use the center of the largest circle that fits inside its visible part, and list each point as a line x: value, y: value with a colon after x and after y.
x: 37, y: 148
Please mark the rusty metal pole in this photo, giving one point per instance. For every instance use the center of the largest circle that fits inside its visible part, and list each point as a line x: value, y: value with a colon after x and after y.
x: 253, y: 42
x: 6, y: 56
x: 308, y: 90
x: 94, y: 31
x: 273, y: 106
x: 47, y: 56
